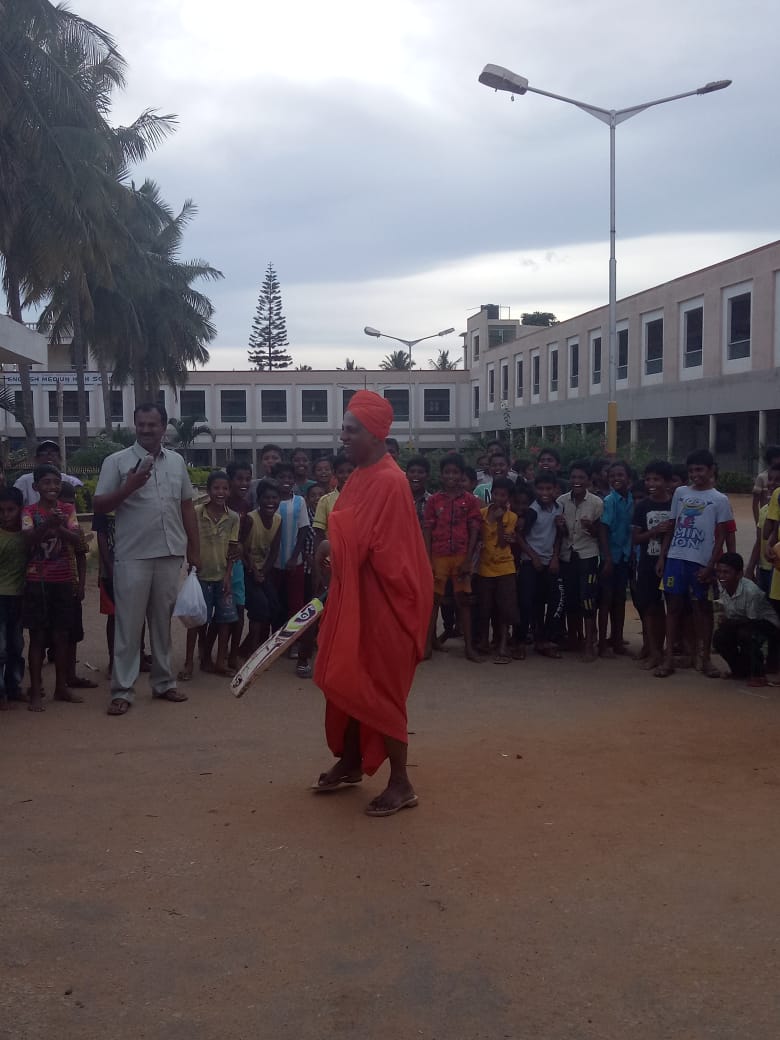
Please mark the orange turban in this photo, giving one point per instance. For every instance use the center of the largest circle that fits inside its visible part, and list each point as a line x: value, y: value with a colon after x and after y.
x: 372, y: 411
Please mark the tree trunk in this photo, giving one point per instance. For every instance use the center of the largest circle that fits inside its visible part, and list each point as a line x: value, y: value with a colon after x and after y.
x: 77, y: 346
x: 105, y: 391
x: 28, y: 411
x: 139, y: 382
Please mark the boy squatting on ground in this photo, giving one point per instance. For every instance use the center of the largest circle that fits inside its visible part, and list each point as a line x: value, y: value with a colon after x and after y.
x: 749, y: 622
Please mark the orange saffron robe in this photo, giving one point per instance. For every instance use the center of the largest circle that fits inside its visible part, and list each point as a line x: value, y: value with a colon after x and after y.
x: 375, y: 624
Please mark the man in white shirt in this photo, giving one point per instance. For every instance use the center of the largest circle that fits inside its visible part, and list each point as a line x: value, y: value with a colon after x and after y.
x: 749, y: 621
x: 149, y: 489
x: 47, y: 452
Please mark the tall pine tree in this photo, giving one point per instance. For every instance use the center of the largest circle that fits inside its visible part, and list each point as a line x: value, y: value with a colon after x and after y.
x: 268, y: 341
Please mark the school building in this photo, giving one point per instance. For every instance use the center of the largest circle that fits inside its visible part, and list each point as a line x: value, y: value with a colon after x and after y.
x: 697, y: 366
x: 247, y: 409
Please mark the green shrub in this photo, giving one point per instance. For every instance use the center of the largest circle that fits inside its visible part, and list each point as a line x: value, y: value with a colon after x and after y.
x: 92, y: 456
x: 199, y: 475
x: 736, y: 483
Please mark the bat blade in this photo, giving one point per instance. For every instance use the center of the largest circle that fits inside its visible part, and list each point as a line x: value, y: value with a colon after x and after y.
x: 276, y: 644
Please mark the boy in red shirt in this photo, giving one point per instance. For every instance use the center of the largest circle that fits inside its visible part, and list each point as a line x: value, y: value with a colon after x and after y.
x: 451, y: 525
x: 52, y: 536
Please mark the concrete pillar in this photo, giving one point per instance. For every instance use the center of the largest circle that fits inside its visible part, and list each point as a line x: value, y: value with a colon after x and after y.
x: 582, y: 429
x: 634, y: 434
x: 761, y: 433
x: 541, y: 433
x: 713, y: 433
x: 562, y: 432
x: 525, y: 437
x: 670, y: 438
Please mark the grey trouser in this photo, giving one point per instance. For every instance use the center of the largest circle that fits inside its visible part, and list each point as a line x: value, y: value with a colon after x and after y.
x: 144, y: 589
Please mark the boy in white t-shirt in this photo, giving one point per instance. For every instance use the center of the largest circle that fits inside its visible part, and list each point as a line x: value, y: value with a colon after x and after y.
x: 289, y: 570
x: 702, y: 521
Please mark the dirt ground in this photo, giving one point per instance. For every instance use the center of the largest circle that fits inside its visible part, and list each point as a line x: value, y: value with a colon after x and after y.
x: 594, y: 857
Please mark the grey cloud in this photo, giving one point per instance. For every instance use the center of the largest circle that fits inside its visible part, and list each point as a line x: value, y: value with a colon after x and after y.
x: 342, y: 182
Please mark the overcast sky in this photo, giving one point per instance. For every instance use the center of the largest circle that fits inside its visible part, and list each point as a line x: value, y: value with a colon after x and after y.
x: 350, y: 144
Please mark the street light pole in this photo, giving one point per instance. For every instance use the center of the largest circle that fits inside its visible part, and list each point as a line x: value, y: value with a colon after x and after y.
x: 408, y: 343
x: 499, y: 78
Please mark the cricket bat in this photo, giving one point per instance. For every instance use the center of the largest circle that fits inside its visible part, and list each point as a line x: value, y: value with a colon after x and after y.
x: 275, y: 646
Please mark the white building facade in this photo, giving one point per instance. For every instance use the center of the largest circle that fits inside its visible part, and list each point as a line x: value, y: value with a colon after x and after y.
x: 247, y: 409
x: 698, y: 365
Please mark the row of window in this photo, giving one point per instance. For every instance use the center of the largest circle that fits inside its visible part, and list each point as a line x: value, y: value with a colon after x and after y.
x: 737, y: 315
x: 273, y: 405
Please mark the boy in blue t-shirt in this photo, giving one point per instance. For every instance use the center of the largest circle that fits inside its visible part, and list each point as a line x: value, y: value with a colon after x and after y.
x: 616, y: 518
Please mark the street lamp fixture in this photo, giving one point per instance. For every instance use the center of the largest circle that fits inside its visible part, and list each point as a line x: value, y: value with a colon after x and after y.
x: 498, y: 78
x: 408, y: 343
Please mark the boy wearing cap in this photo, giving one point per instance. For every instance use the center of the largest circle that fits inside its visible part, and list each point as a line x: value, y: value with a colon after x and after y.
x: 46, y: 454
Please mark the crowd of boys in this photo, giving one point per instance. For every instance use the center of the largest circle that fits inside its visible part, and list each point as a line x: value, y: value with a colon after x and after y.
x: 522, y: 556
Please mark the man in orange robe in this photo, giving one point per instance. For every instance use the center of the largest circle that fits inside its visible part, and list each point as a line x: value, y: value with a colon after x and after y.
x: 375, y: 624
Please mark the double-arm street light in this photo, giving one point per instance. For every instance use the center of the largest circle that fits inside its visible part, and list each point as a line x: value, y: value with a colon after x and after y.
x: 408, y: 343
x: 503, y: 79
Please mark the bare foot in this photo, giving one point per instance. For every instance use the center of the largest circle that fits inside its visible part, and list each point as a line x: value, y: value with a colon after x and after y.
x: 68, y: 696
x: 620, y: 648
x: 664, y: 670
x: 36, y: 703
x: 606, y: 651
x: 474, y: 657
x: 649, y: 663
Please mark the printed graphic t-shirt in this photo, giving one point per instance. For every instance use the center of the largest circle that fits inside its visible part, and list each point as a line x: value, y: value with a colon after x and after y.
x: 647, y: 516
x: 52, y: 558
x: 696, y: 514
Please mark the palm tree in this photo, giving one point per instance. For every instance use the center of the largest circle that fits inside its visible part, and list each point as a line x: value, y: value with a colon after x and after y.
x: 153, y: 324
x: 443, y: 363
x: 186, y: 431
x: 303, y: 368
x: 70, y: 310
x: 53, y: 66
x: 350, y: 366
x: 397, y: 361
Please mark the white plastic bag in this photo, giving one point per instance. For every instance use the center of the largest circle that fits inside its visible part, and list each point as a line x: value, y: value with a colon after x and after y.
x: 190, y: 606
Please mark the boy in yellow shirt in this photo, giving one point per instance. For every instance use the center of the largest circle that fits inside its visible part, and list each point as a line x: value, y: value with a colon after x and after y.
x: 496, y: 589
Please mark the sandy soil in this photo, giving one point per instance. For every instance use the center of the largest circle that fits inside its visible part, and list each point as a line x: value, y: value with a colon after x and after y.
x: 594, y: 856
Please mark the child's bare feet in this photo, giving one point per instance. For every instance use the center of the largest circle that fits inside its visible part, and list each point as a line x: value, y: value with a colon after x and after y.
x: 474, y: 656
x: 649, y: 663
x: 68, y: 696
x: 588, y: 655
x: 35, y: 702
